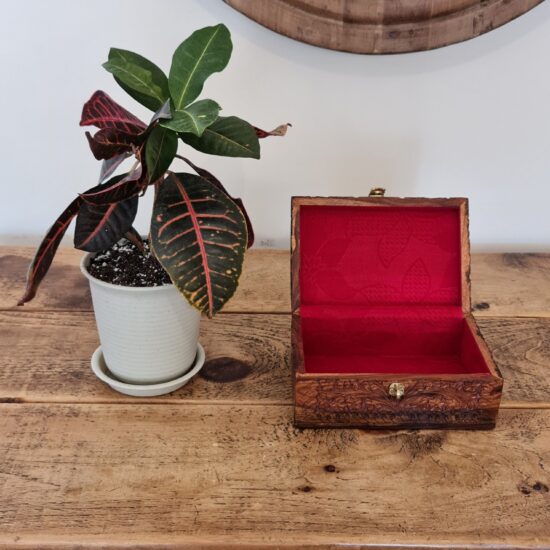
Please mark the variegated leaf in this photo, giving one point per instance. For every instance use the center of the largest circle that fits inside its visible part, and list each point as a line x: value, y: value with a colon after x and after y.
x: 227, y: 137
x: 108, y: 143
x: 100, y: 226
x: 47, y: 249
x: 213, y: 179
x: 194, y: 118
x: 102, y: 111
x: 139, y: 77
x: 199, y: 236
x: 116, y: 189
x: 205, y: 52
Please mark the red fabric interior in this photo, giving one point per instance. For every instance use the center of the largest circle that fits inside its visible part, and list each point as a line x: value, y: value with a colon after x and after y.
x: 380, y: 291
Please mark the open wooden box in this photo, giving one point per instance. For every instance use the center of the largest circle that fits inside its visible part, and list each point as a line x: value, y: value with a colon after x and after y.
x: 382, y: 331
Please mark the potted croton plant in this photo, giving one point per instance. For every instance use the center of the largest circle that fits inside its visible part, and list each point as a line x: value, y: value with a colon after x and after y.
x: 198, y: 233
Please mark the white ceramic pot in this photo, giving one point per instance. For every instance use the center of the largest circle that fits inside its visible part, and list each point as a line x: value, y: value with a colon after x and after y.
x: 148, y: 335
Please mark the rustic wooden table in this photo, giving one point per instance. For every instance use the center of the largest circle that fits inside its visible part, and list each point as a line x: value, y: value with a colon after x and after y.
x: 219, y: 464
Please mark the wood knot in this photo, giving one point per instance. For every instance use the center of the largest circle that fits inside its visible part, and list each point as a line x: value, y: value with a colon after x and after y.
x: 330, y: 468
x: 305, y: 488
x: 225, y: 369
x: 537, y: 487
x: 480, y: 306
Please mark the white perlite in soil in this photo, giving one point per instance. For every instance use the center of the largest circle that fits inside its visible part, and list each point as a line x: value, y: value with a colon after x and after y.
x: 124, y: 264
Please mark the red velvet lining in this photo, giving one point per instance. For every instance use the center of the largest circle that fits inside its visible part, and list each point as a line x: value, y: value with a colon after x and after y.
x: 379, y: 255
x: 380, y: 291
x: 386, y: 340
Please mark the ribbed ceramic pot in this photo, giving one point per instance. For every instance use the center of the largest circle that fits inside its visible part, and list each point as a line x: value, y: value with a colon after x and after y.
x: 148, y: 335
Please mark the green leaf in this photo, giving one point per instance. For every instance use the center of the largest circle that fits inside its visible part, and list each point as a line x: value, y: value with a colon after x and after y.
x: 228, y: 137
x: 195, y: 118
x: 198, y: 234
x: 139, y: 77
x: 205, y: 52
x: 144, y: 99
x: 160, y: 150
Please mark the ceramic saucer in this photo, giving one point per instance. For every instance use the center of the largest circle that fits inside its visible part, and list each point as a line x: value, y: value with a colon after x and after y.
x: 100, y: 369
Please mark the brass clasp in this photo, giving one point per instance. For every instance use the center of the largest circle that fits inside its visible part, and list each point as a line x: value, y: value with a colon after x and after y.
x: 377, y: 192
x: 396, y: 390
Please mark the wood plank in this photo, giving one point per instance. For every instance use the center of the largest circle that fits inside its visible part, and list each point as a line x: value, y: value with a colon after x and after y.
x: 264, y: 284
x: 510, y: 285
x: 236, y: 475
x: 506, y: 285
x: 46, y: 357
x: 521, y: 351
x: 248, y: 360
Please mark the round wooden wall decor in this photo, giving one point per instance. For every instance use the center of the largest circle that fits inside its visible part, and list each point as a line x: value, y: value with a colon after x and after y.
x: 382, y: 26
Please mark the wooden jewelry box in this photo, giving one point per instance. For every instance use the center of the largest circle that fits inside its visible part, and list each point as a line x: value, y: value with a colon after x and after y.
x: 382, y: 331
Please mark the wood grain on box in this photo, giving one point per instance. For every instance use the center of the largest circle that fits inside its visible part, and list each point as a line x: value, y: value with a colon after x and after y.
x: 364, y: 399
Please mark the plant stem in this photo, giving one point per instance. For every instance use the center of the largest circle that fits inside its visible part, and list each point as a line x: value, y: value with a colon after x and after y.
x: 134, y: 237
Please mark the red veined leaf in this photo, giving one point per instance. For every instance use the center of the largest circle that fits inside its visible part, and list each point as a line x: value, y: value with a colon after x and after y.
x: 108, y: 166
x: 116, y: 189
x: 47, y: 249
x: 100, y: 226
x: 205, y: 174
x: 102, y: 111
x: 249, y: 228
x: 108, y: 143
x: 279, y: 131
x: 198, y: 234
x: 214, y: 180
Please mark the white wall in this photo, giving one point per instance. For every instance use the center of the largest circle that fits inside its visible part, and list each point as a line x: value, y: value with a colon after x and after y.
x: 471, y: 119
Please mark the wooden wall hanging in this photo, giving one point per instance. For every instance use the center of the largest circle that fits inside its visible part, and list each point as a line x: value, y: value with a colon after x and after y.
x: 382, y: 26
